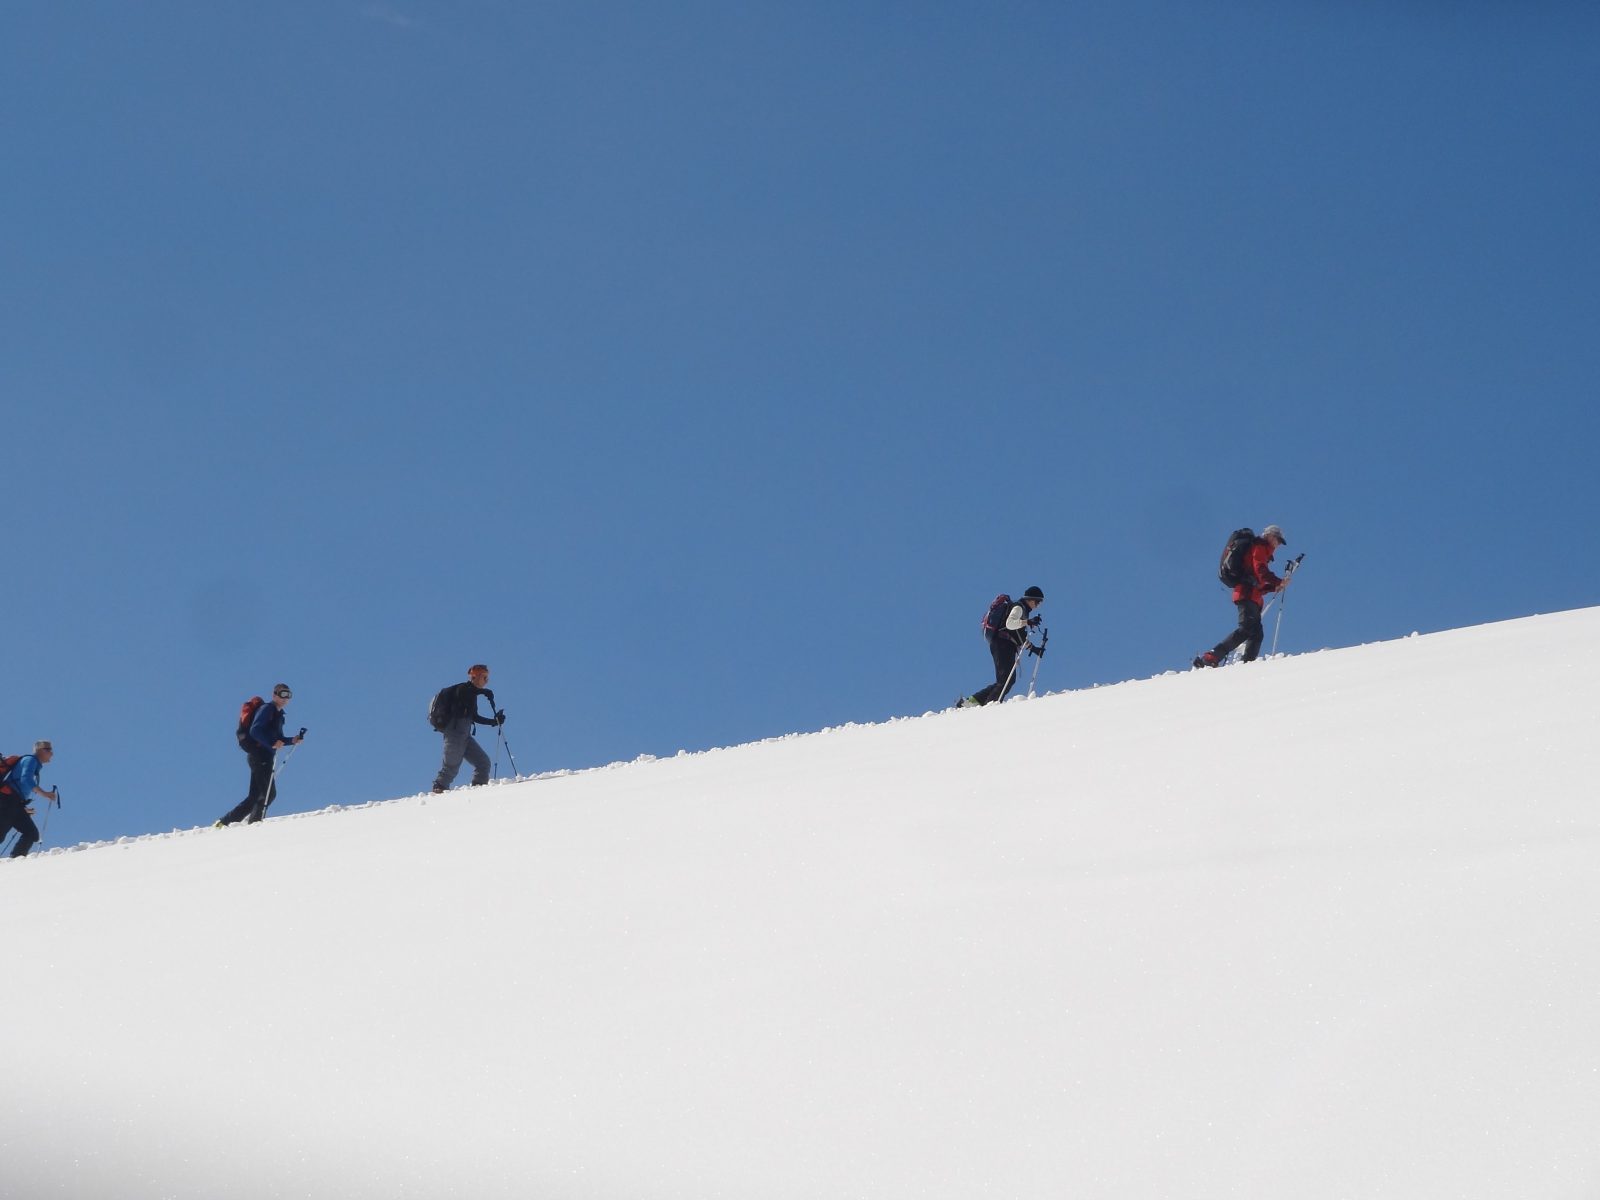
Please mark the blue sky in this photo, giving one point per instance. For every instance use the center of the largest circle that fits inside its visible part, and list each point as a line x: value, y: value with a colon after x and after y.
x: 707, y: 368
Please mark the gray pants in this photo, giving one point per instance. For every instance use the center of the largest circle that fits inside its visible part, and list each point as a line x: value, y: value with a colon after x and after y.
x: 458, y: 744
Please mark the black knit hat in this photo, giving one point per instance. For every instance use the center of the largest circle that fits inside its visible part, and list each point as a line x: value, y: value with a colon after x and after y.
x: 1033, y: 593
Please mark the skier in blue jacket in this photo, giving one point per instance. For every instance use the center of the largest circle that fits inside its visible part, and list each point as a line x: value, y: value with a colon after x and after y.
x: 261, y: 746
x: 21, y: 783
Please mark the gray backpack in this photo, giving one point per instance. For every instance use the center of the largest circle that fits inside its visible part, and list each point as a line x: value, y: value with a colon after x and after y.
x: 439, y: 709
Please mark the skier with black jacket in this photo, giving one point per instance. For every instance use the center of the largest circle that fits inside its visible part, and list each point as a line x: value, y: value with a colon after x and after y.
x: 1006, y: 635
x: 455, y: 714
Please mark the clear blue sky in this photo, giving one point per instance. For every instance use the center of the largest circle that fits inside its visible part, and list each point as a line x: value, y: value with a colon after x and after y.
x: 706, y: 368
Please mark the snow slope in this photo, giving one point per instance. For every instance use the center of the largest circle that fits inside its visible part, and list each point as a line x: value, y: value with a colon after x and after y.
x: 1325, y: 926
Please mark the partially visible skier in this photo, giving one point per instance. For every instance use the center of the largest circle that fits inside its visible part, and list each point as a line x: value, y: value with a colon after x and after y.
x: 453, y: 713
x: 261, y: 739
x: 1255, y: 582
x: 21, y: 783
x: 1005, y: 629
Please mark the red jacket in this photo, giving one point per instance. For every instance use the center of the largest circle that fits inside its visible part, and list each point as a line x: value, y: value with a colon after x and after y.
x: 1259, y: 579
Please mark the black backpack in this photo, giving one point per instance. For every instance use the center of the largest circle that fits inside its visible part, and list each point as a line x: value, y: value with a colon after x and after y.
x: 439, y: 714
x: 1231, y: 569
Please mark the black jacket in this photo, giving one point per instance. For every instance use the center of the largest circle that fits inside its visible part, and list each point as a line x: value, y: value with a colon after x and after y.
x: 462, y: 701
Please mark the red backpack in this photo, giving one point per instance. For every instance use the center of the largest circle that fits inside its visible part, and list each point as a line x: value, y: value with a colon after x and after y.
x: 7, y: 765
x: 247, y: 713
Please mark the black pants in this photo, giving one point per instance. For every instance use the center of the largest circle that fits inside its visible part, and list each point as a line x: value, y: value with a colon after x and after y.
x: 14, y: 815
x: 262, y: 790
x: 1004, y: 652
x: 1248, y: 634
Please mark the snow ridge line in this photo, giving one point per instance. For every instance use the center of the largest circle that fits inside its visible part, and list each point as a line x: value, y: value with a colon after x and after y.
x: 422, y: 798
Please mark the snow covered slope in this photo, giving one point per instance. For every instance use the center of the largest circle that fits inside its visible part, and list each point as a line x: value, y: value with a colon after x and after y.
x: 1325, y: 926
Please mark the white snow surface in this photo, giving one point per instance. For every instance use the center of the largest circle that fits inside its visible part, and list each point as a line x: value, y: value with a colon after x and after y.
x: 1320, y: 926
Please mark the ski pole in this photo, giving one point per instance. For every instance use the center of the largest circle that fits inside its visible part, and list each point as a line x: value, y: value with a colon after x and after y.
x: 500, y: 732
x: 499, y: 740
x: 1044, y: 640
x: 278, y: 768
x: 1283, y: 600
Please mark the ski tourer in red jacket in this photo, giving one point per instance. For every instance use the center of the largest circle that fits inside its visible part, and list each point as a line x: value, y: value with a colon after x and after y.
x: 1258, y: 581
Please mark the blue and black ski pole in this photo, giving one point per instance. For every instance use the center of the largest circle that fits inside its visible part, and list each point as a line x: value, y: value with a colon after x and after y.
x: 54, y: 802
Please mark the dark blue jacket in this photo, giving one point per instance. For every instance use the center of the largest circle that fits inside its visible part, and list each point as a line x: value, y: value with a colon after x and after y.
x: 266, y: 727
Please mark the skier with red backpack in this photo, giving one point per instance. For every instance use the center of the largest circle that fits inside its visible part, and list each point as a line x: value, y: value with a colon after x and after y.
x: 1005, y: 629
x: 19, y: 782
x: 1245, y: 569
x: 261, y: 735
